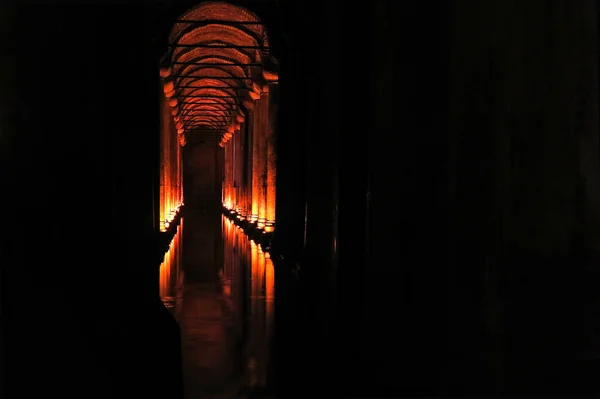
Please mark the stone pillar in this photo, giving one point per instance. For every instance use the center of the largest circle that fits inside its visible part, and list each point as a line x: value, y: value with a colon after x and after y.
x: 255, y: 165
x: 232, y: 192
x: 224, y: 179
x: 248, y: 147
x: 271, y: 159
x: 241, y: 173
x: 238, y: 169
x: 231, y: 158
x: 262, y: 115
x: 179, y: 185
x: 224, y: 176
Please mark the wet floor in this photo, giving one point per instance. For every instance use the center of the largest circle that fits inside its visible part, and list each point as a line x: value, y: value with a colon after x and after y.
x: 219, y: 286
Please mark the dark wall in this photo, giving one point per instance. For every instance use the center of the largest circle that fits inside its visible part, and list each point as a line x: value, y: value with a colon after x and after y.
x: 80, y: 119
x: 481, y: 119
x: 462, y: 194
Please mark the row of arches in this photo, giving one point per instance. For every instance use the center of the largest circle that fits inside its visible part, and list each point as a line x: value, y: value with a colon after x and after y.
x: 219, y: 79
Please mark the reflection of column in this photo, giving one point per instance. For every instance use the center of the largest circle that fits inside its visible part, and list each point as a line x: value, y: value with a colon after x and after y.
x: 260, y: 321
x: 270, y: 309
x: 169, y: 272
x: 254, y: 290
x: 255, y: 343
x: 271, y: 159
x: 262, y: 115
x: 164, y: 278
x: 180, y: 263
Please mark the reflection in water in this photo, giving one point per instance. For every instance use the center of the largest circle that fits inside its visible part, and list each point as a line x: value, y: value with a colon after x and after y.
x: 171, y: 274
x: 224, y: 305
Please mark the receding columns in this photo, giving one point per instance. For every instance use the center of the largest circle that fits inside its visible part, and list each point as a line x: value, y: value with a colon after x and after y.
x: 251, y: 171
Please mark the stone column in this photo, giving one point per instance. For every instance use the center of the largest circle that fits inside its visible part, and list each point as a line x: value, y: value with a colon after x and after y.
x: 248, y: 146
x: 262, y: 114
x: 255, y: 164
x: 236, y: 170
x: 231, y: 166
x: 271, y: 159
x: 224, y: 176
x: 231, y: 160
x: 179, y: 197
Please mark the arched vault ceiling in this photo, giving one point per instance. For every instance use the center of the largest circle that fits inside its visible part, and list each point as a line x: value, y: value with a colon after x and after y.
x: 215, y: 64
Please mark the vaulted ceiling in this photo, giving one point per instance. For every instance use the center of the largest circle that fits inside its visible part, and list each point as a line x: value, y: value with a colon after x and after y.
x: 216, y: 66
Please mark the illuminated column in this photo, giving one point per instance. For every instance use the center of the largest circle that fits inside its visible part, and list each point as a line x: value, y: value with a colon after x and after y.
x: 179, y: 174
x: 239, y: 175
x: 271, y: 160
x: 226, y: 159
x: 230, y: 172
x: 248, y: 167
x: 233, y: 171
x: 262, y: 121
x: 238, y: 169
x: 226, y: 174
x: 177, y: 170
x: 166, y: 122
x: 161, y: 202
x: 221, y: 156
x: 173, y: 147
x: 255, y: 164
x: 229, y: 147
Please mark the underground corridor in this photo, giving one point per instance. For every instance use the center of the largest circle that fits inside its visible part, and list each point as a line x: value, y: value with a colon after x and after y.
x: 284, y: 199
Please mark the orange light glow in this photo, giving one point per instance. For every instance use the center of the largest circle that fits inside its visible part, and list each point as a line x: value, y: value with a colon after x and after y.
x: 270, y: 75
x: 165, y: 72
x: 254, y: 95
x: 169, y: 87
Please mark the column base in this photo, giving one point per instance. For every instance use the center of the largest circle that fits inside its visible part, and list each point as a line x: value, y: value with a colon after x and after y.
x: 269, y: 226
x: 261, y: 223
x: 252, y: 228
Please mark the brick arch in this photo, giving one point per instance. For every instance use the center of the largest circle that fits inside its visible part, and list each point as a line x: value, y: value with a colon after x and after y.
x: 215, y: 66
